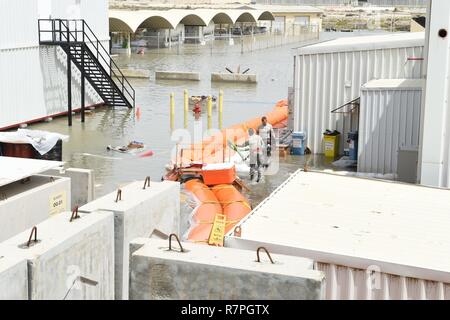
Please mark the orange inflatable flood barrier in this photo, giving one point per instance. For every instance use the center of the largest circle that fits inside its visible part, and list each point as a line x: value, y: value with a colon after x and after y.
x: 205, y: 213
x: 234, y: 205
x: 209, y: 150
x: 219, y: 200
x: 222, y: 206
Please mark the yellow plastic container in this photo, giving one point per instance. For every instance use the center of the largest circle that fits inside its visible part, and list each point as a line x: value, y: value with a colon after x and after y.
x: 331, y: 145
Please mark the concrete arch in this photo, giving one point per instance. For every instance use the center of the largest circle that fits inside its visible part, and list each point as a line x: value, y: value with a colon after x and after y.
x: 193, y: 19
x: 222, y: 18
x: 156, y: 22
x: 249, y: 15
x: 118, y: 25
x: 130, y: 20
x: 246, y: 17
x: 266, y: 16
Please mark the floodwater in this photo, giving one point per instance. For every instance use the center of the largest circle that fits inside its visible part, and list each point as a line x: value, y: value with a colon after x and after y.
x: 117, y: 127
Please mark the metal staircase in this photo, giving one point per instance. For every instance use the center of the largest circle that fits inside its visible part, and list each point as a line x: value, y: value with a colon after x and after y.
x: 86, y: 51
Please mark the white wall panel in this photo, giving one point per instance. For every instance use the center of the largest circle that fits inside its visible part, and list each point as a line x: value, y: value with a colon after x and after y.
x: 346, y: 283
x: 33, y: 78
x: 326, y: 80
x: 18, y: 23
x: 434, y: 156
x: 34, y: 84
x: 389, y: 119
x: 22, y: 93
x: 95, y: 12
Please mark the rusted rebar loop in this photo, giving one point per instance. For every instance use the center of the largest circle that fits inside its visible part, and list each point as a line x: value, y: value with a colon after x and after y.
x: 268, y: 254
x: 34, y: 230
x: 237, y: 231
x: 74, y: 214
x: 146, y: 183
x: 178, y: 240
x: 119, y: 195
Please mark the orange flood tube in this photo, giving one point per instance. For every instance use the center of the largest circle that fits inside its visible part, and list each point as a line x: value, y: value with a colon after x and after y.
x: 205, y: 212
x: 234, y: 205
x: 221, y: 199
x: 206, y: 152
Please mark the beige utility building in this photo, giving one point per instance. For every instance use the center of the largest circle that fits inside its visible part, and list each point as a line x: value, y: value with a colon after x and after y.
x: 289, y: 18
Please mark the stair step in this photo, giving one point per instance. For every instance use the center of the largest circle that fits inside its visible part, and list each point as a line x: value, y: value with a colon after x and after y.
x: 109, y: 87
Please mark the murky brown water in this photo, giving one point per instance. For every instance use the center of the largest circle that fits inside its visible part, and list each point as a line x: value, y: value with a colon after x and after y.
x: 87, y: 145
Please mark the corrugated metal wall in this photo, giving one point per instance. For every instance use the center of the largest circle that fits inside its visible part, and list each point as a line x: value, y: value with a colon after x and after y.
x: 15, y: 31
x: 325, y: 81
x: 388, y: 120
x: 88, y: 10
x: 434, y: 156
x: 345, y: 283
x: 34, y: 84
x: 33, y: 77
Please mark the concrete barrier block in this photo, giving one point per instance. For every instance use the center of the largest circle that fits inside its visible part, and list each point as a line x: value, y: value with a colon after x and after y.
x: 71, y: 260
x: 13, y: 278
x: 140, y: 213
x: 135, y: 73
x: 206, y: 272
x: 233, y: 77
x: 81, y: 182
x: 177, y: 75
x: 23, y: 205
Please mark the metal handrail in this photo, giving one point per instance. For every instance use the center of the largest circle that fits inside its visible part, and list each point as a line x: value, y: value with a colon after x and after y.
x: 354, y: 102
x: 67, y: 35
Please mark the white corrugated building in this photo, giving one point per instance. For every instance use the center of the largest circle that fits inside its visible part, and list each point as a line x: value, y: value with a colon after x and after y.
x: 330, y: 74
x: 373, y: 239
x: 434, y: 156
x: 389, y: 121
x: 34, y: 77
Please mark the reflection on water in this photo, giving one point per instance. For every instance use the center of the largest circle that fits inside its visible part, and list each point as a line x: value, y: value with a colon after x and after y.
x: 116, y: 127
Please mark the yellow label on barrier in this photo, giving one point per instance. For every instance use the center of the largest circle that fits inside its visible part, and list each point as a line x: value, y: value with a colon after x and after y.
x: 218, y: 230
x: 58, y: 202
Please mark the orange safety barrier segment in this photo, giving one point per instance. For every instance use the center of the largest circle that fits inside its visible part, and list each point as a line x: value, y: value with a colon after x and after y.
x: 205, y: 213
x: 210, y: 149
x: 221, y: 199
x: 234, y: 205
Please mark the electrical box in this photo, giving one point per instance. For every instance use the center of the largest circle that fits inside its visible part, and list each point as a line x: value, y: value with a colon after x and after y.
x: 408, y: 158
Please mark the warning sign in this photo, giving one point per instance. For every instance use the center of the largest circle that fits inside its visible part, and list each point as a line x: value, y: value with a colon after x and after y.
x: 218, y: 231
x: 58, y: 202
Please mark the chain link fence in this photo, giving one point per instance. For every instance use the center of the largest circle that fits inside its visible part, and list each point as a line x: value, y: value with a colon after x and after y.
x: 223, y: 43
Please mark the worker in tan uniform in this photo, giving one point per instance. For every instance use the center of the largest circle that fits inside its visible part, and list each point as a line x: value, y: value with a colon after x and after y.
x: 255, y: 146
x: 268, y: 137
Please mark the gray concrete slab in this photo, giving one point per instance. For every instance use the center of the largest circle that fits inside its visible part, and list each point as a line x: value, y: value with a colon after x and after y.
x: 81, y: 182
x: 15, y: 169
x: 23, y: 205
x: 136, y: 73
x: 206, y: 272
x: 71, y: 260
x: 233, y: 77
x: 177, y: 75
x: 13, y: 278
x: 140, y: 213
